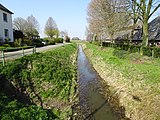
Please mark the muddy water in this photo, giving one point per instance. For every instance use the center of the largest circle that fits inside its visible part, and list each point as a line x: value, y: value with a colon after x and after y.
x: 92, y: 103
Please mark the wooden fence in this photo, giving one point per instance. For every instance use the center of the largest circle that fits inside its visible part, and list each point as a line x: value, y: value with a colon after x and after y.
x: 5, y: 55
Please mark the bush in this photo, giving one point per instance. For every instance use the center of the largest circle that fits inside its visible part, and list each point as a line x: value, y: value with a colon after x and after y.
x: 6, y: 45
x: 157, y: 52
x: 14, y: 110
x: 46, y: 40
x: 58, y: 40
x: 67, y: 39
x: 51, y: 42
x: 27, y: 42
x: 37, y: 43
x: 147, y: 51
x: 75, y: 38
x: 120, y: 53
x: 17, y: 42
x: 96, y: 43
x: 134, y: 49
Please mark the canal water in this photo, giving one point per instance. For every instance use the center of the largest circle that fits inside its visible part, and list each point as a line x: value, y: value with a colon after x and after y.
x: 93, y: 105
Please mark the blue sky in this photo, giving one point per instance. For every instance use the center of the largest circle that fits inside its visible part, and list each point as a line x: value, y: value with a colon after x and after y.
x: 70, y: 15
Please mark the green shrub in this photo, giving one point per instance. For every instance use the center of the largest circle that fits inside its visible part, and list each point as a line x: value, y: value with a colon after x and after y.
x: 51, y: 42
x: 27, y: 42
x: 147, y: 51
x: 157, y: 52
x: 14, y: 110
x: 67, y: 39
x: 58, y: 40
x: 120, y: 53
x: 17, y: 42
x: 134, y: 49
x: 37, y: 42
x: 96, y: 42
x: 7, y: 40
x: 6, y: 45
x: 46, y: 40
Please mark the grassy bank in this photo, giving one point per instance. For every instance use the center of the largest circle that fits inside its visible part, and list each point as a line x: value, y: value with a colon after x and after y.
x: 131, y: 77
x: 39, y: 86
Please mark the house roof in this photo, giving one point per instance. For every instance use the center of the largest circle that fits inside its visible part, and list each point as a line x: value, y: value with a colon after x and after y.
x: 154, y: 30
x: 5, y: 9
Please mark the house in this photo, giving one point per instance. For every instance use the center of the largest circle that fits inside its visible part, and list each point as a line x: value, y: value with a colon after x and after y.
x: 154, y: 31
x: 6, y: 30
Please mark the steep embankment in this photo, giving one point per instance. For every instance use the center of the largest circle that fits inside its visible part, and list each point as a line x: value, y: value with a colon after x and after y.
x: 39, y: 86
x: 133, y: 79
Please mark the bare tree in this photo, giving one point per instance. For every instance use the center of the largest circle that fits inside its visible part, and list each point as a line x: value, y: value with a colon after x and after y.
x: 107, y: 17
x: 51, y: 28
x: 32, y: 27
x: 146, y: 10
x: 64, y: 33
x: 19, y: 24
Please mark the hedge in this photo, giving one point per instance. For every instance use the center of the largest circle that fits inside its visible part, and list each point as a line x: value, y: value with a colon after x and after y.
x: 148, y: 51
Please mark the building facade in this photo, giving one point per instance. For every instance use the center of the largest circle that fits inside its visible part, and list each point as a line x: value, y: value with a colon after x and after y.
x: 6, y: 30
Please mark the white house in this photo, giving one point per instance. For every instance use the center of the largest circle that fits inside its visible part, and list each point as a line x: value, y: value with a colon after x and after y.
x: 6, y: 30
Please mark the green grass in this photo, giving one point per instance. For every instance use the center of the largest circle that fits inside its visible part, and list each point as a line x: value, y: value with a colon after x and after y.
x: 47, y: 78
x: 3, y: 48
x: 12, y: 109
x: 133, y: 78
x: 150, y: 69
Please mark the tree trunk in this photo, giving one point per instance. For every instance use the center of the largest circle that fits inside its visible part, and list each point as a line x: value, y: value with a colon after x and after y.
x: 145, y: 33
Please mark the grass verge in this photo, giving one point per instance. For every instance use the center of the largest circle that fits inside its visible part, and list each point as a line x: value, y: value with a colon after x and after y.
x: 39, y: 86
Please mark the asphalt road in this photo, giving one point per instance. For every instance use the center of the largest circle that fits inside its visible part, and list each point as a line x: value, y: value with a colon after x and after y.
x: 19, y: 53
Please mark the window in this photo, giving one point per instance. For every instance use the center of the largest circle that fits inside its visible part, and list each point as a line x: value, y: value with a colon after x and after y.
x: 5, y: 17
x: 6, y: 33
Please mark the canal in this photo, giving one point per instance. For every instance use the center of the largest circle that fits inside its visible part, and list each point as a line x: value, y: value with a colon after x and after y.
x: 93, y: 105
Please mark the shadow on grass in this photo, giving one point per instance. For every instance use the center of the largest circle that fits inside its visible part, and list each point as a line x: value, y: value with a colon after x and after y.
x: 17, y: 89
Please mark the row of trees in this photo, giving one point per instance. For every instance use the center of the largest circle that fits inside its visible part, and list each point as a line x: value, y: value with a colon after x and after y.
x: 114, y: 18
x: 30, y: 27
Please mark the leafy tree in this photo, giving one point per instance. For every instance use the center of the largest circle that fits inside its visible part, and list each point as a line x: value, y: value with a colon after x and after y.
x: 51, y: 28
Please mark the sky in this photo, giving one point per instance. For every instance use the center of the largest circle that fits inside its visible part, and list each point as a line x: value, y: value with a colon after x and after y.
x: 70, y: 15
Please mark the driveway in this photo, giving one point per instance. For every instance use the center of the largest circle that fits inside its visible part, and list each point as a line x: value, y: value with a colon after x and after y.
x: 19, y: 53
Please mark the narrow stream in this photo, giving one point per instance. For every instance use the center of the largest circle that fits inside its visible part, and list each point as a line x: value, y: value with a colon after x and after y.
x: 92, y: 103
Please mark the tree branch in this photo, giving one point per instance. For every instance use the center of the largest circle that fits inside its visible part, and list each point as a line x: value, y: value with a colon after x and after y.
x: 149, y: 6
x: 154, y: 11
